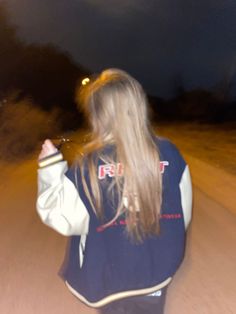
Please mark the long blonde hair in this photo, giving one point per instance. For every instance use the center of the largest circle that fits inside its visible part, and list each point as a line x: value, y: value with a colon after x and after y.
x: 116, y: 107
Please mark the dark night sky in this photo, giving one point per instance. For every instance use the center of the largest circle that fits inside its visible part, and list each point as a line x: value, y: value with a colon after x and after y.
x: 163, y: 43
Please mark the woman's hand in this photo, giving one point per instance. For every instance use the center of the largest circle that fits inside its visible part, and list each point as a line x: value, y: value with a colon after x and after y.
x: 47, y: 149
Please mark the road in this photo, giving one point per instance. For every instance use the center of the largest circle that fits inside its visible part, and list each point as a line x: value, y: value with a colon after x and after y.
x: 31, y: 253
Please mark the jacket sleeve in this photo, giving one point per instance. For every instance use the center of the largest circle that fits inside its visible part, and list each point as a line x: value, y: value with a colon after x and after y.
x: 186, y: 196
x: 58, y: 203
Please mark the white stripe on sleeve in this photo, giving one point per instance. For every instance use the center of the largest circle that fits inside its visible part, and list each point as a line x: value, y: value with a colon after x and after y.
x: 186, y: 196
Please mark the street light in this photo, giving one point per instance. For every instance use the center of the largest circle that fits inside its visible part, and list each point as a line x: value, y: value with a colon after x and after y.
x: 85, y: 81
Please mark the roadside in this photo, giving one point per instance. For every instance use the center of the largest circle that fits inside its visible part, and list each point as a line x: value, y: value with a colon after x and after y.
x: 209, y: 150
x: 211, y: 153
x: 214, y: 144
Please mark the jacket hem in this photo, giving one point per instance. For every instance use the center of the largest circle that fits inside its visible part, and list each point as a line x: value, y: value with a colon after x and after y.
x: 119, y: 295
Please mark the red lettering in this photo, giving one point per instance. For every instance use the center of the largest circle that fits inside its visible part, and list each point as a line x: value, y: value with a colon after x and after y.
x: 100, y: 229
x: 111, y: 170
x: 171, y: 216
x: 120, y: 169
x: 163, y: 164
x: 104, y: 170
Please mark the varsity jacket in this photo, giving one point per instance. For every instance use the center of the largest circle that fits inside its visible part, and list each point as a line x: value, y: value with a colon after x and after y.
x: 101, y: 264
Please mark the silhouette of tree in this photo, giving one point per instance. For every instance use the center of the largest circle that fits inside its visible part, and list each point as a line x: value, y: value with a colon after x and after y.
x: 48, y: 75
x: 10, y: 49
x: 43, y: 72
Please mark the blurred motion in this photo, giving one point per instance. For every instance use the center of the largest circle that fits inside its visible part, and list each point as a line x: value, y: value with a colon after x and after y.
x: 22, y: 126
x: 191, y: 86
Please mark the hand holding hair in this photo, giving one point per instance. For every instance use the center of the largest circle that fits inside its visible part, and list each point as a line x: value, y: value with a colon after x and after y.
x: 47, y: 149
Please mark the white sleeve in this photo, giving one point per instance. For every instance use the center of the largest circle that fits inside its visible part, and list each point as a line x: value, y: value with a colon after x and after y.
x: 58, y: 203
x: 186, y: 196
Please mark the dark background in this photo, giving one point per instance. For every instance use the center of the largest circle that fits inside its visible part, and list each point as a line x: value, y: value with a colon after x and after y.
x: 182, y: 52
x: 164, y: 44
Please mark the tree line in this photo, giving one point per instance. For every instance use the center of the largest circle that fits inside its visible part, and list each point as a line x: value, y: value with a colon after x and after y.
x: 49, y: 76
x: 42, y: 72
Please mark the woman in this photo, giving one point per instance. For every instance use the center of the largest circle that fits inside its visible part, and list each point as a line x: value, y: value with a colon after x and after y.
x: 126, y: 203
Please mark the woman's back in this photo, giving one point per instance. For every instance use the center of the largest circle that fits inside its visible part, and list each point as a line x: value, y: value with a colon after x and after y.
x: 126, y: 203
x: 113, y: 262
